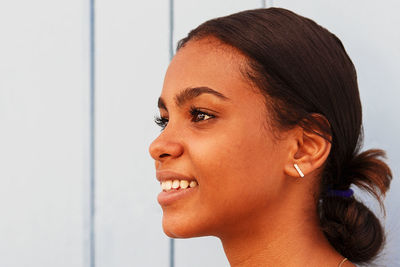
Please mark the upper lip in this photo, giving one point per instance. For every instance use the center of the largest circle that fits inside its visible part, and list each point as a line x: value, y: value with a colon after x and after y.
x: 170, y: 175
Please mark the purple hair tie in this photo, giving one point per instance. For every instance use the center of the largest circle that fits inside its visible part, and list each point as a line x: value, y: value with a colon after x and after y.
x: 340, y: 193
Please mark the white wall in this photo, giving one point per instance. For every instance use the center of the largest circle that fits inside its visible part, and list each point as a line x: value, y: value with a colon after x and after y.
x: 45, y: 122
x: 44, y: 132
x: 132, y: 56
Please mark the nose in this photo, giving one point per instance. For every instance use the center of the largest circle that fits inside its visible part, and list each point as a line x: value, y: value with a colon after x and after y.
x: 165, y: 147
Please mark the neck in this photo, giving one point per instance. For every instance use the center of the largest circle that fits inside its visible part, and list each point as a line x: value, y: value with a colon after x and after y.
x: 282, y: 238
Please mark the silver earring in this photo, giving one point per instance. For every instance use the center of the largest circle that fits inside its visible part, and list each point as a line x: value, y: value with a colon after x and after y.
x: 298, y: 170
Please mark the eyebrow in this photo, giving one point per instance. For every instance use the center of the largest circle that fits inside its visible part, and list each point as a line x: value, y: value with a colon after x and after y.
x: 189, y: 94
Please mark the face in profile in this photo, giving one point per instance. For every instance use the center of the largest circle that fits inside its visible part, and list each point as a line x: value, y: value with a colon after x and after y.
x: 220, y: 165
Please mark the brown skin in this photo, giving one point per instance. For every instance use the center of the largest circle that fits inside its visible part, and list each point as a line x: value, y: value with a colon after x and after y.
x: 249, y: 193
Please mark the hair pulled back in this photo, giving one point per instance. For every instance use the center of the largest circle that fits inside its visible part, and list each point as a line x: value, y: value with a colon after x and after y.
x: 305, y: 73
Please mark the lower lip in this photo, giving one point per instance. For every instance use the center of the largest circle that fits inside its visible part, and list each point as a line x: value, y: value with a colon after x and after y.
x: 166, y: 198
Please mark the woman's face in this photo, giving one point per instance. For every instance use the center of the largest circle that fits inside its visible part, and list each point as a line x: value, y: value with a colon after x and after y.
x: 216, y: 133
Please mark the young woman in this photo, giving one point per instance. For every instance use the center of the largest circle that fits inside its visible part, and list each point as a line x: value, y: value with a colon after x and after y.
x: 261, y: 121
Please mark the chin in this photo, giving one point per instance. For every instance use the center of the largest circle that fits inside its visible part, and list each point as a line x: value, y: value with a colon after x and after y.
x: 176, y: 227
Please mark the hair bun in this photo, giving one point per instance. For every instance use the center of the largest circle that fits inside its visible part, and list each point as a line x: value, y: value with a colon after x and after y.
x: 351, y: 228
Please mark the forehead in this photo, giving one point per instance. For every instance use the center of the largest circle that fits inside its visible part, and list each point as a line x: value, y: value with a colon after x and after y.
x: 208, y: 62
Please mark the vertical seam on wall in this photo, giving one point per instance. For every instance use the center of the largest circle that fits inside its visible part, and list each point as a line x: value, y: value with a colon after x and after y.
x: 92, y: 262
x: 171, y: 54
x: 264, y: 4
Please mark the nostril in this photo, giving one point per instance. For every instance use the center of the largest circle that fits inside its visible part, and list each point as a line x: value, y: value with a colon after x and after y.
x: 161, y: 149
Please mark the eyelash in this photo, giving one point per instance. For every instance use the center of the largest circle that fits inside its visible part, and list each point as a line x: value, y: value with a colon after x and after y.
x: 194, y: 112
x: 161, y: 121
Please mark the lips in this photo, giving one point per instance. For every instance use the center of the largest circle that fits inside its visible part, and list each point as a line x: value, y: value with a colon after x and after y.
x: 175, y: 186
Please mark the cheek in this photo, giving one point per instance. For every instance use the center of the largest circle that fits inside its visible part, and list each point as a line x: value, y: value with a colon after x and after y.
x: 238, y: 169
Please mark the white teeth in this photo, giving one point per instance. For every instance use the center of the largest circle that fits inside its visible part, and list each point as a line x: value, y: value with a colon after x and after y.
x: 176, y: 184
x: 193, y: 184
x: 168, y: 185
x: 184, y: 184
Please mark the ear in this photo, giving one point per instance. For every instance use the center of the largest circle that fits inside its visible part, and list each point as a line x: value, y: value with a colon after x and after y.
x: 308, y: 149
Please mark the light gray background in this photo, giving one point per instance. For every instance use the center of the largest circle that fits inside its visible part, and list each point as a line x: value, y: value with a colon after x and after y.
x: 45, y: 118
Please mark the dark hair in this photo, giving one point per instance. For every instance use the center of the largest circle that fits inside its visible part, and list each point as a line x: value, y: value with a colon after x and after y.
x: 305, y: 74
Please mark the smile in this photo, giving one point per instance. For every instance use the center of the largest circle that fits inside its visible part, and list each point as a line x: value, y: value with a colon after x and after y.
x: 177, y: 184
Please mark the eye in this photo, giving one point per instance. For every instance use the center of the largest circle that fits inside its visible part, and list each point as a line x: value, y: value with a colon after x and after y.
x: 161, y: 121
x: 199, y: 115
